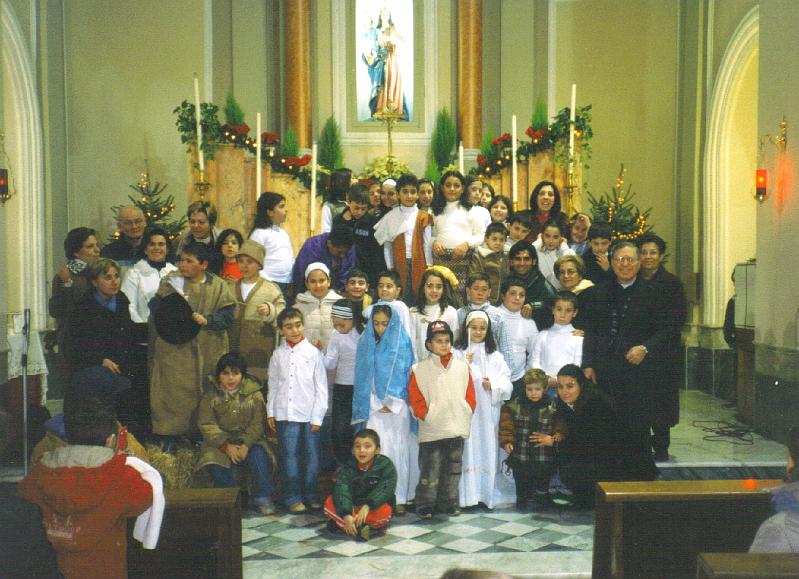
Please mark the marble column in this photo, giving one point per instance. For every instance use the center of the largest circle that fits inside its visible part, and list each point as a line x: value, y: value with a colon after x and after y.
x: 470, y: 72
x: 298, y: 68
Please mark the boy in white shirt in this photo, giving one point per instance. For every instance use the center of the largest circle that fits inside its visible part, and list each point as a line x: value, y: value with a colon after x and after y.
x: 518, y: 333
x: 295, y: 408
x: 558, y: 345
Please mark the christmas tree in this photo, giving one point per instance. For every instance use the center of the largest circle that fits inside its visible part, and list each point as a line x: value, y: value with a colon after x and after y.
x: 627, y: 222
x: 155, y: 206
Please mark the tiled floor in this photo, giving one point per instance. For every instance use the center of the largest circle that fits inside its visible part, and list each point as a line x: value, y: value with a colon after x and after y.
x: 300, y: 545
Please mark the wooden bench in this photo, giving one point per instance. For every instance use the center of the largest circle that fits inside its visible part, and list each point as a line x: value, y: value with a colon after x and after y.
x: 747, y: 566
x: 200, y: 537
x: 657, y: 529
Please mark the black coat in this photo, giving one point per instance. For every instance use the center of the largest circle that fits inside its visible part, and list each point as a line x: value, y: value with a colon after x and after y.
x: 645, y: 321
x: 667, y: 411
x: 593, y: 271
x: 98, y: 333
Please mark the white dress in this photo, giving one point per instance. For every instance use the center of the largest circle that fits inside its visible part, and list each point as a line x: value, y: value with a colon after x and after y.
x: 421, y: 318
x: 480, y: 451
x: 397, y: 442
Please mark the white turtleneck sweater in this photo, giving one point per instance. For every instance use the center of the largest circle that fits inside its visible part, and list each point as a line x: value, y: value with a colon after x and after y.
x: 556, y: 347
x: 455, y: 225
x: 517, y: 341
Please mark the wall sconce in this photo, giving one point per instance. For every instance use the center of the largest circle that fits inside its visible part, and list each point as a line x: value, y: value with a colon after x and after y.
x: 6, y: 189
x: 761, y: 174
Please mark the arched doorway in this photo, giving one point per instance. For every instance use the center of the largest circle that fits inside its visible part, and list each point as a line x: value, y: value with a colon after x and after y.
x: 729, y: 216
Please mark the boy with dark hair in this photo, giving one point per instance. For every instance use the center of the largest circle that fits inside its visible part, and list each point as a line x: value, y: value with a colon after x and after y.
x: 363, y: 497
x: 490, y: 258
x: 335, y: 249
x: 357, y: 290
x: 441, y: 383
x: 295, y: 407
x: 406, y: 235
x: 182, y: 363
x: 523, y: 259
x: 596, y: 257
x: 357, y: 206
x: 519, y: 227
x: 86, y: 492
x: 519, y: 334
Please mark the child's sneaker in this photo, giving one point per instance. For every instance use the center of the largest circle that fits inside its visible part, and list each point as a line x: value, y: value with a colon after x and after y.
x: 266, y: 507
x: 363, y: 533
x: 400, y: 510
x: 315, y: 506
x: 424, y: 512
x: 453, y: 511
x: 297, y: 508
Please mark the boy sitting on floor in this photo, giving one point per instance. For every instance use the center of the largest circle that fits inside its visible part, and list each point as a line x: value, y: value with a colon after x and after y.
x: 364, y: 491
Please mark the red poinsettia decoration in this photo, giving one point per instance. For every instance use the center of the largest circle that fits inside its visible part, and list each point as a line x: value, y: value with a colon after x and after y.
x: 269, y: 138
x: 298, y: 161
x: 242, y: 129
x: 535, y: 135
x: 481, y: 160
x: 504, y: 138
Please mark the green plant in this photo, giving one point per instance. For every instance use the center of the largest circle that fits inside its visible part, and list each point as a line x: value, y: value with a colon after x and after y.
x: 233, y: 113
x: 186, y: 124
x: 156, y: 208
x: 539, y: 120
x: 627, y: 222
x: 331, y: 154
x: 291, y: 147
x: 582, y: 134
x: 444, y: 139
x: 432, y: 172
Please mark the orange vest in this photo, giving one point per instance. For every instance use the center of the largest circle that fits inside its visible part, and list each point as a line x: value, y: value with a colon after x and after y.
x: 418, y: 264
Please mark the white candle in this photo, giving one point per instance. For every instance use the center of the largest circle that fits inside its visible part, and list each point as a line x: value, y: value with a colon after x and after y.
x: 514, y: 168
x: 258, y: 155
x: 460, y: 159
x: 469, y: 339
x: 198, y: 114
x: 572, y: 118
x: 313, y: 188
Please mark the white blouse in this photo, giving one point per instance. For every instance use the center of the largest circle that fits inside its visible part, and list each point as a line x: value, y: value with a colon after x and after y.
x: 456, y: 224
x: 279, y: 257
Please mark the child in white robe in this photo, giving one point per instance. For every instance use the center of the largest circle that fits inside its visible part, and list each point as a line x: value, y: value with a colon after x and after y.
x: 492, y: 385
x: 518, y: 333
x: 558, y: 345
x: 380, y: 398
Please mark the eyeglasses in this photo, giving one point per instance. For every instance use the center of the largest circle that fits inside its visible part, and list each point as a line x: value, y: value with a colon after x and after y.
x: 626, y: 260
x: 568, y: 271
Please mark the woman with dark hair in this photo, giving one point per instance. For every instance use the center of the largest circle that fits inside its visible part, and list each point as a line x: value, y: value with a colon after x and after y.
x: 588, y: 451
x: 545, y: 207
x: 70, y: 283
x: 457, y: 230
x: 336, y: 203
x: 141, y: 281
x: 224, y: 262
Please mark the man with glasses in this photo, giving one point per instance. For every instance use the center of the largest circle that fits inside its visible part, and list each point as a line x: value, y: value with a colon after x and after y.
x: 125, y: 250
x: 627, y: 336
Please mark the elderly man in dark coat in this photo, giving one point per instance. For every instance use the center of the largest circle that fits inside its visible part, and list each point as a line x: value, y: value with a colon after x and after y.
x: 627, y: 336
x: 667, y: 412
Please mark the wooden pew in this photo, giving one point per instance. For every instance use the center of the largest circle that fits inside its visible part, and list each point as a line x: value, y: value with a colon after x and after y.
x: 200, y: 537
x: 657, y: 529
x: 747, y: 565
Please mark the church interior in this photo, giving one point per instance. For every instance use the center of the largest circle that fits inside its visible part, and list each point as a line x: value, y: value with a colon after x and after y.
x: 687, y: 109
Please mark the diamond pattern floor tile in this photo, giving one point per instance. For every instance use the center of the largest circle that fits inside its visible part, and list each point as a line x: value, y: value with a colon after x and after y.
x: 407, y: 531
x: 350, y: 548
x: 466, y: 546
x: 409, y: 547
x: 297, y: 535
x: 248, y: 535
x: 523, y: 544
x: 291, y: 550
x: 516, y: 529
x: 460, y: 530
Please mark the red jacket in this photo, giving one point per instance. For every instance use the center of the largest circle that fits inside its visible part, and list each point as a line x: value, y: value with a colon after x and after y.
x: 86, y: 493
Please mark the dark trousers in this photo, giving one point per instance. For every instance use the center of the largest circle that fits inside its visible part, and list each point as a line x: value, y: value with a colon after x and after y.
x: 440, y: 464
x: 661, y: 438
x: 342, y: 419
x: 532, y: 479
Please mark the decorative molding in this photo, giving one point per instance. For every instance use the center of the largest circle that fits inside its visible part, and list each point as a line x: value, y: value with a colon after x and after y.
x: 717, y: 167
x: 23, y: 125
x: 341, y: 90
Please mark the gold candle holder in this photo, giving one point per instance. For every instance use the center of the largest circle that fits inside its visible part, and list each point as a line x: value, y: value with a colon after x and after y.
x: 201, y: 186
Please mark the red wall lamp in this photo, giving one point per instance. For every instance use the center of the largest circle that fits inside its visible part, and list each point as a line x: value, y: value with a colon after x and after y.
x: 761, y: 174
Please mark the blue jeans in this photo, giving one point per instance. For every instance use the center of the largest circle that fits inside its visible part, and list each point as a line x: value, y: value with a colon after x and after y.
x: 260, y: 472
x: 299, y: 449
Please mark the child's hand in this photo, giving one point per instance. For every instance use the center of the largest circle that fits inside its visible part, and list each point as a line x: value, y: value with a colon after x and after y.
x: 317, y: 343
x: 63, y: 274
x: 602, y: 261
x: 111, y: 365
x: 577, y: 332
x: 232, y: 453
x: 360, y: 518
x: 438, y: 248
x: 541, y: 439
x: 486, y: 384
x: 469, y: 357
x: 270, y: 422
x: 349, y: 526
x: 527, y: 311
x: 385, y: 410
x: 199, y: 318
x: 315, y: 427
x: 243, y: 451
x: 264, y: 310
x: 636, y: 355
x: 508, y: 447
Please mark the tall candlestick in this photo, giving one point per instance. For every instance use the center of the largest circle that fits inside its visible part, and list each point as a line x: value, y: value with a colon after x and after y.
x: 198, y: 114
x: 460, y: 158
x: 514, y: 168
x: 572, y: 118
x: 469, y: 338
x: 313, y: 188
x: 258, y: 155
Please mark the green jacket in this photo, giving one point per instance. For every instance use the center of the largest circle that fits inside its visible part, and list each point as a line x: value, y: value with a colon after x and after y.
x: 372, y: 487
